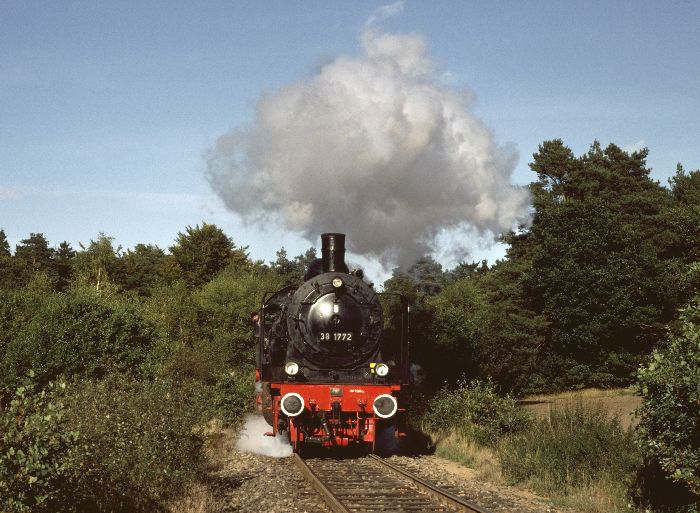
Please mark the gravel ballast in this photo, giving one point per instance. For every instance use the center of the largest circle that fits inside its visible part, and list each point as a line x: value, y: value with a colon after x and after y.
x: 248, y: 482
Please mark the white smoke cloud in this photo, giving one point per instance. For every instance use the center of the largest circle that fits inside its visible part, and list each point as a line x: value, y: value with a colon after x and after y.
x: 374, y: 146
x: 252, y: 438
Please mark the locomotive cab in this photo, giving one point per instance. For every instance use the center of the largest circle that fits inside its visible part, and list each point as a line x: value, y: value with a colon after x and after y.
x: 330, y: 371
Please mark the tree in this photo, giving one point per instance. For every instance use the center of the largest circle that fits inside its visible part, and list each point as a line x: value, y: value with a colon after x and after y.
x: 4, y: 245
x: 63, y: 263
x: 293, y: 270
x: 96, y: 264
x: 514, y: 335
x: 140, y: 269
x: 202, y: 252
x: 596, y: 270
x: 684, y: 216
x: 7, y: 276
x: 33, y: 255
x: 417, y: 284
x: 669, y: 428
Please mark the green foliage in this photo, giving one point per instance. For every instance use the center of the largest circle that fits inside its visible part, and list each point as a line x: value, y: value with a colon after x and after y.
x: 4, y: 245
x: 96, y: 265
x: 458, y: 315
x: 669, y: 430
x: 226, y: 303
x: 33, y: 255
x: 476, y: 410
x: 292, y: 271
x: 137, y: 443
x: 77, y: 334
x: 596, y: 262
x: 139, y: 270
x: 63, y: 263
x: 576, y: 446
x: 174, y: 309
x: 513, y: 335
x: 201, y: 253
x: 36, y: 450
x: 228, y: 398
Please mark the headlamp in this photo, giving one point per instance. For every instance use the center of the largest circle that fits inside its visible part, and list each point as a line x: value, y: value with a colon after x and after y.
x: 385, y: 406
x: 291, y: 368
x: 292, y: 404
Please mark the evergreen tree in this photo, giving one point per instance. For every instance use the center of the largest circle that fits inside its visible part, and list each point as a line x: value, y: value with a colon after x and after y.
x: 7, y: 275
x: 63, y: 263
x: 293, y: 270
x: 595, y: 268
x: 684, y: 216
x: 33, y: 255
x: 4, y: 245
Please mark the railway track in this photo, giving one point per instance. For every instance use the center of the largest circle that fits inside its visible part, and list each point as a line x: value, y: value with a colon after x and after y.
x: 373, y: 484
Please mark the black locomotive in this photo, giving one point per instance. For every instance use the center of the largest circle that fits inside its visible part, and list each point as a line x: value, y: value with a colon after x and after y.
x: 328, y: 366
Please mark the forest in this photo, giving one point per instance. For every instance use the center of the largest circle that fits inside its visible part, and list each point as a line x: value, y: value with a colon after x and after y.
x: 130, y: 352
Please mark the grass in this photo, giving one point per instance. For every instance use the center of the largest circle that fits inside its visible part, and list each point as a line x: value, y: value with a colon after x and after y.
x: 199, y: 496
x: 580, y: 456
x: 457, y: 447
x: 602, y: 496
x: 196, y: 498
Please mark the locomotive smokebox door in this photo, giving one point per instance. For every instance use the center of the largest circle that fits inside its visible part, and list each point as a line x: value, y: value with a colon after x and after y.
x: 335, y: 320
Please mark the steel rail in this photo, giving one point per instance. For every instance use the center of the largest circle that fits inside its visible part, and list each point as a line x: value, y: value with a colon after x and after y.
x: 330, y: 499
x: 340, y: 489
x: 442, y: 495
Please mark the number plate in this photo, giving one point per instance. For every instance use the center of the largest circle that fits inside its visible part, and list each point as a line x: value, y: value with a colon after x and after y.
x: 336, y: 337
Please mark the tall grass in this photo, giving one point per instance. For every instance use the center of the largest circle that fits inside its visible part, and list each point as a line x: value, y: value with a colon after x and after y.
x: 578, y: 453
x: 482, y: 460
x: 580, y: 456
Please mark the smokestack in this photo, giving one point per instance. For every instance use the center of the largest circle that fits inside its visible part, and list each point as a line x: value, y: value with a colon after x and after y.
x: 333, y: 252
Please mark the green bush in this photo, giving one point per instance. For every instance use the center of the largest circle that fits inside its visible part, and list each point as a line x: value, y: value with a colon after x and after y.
x: 138, y: 443
x: 577, y: 445
x: 76, y: 334
x: 227, y: 399
x: 669, y: 429
x: 226, y: 303
x: 477, y: 410
x: 36, y: 450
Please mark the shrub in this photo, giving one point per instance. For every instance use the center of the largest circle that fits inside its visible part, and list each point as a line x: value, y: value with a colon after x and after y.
x: 577, y: 445
x: 36, y: 455
x: 138, y: 443
x: 477, y: 410
x: 669, y: 429
x: 77, y: 334
x: 226, y: 303
x: 227, y: 399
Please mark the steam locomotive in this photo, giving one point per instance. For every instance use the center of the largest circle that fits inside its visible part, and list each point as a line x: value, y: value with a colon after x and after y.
x: 329, y: 366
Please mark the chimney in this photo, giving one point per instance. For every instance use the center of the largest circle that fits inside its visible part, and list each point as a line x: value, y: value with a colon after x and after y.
x: 333, y: 252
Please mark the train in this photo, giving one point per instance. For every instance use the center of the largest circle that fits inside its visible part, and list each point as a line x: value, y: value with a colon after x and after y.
x: 330, y: 364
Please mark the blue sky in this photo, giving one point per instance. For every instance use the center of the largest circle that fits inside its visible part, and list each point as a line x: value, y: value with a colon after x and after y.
x: 107, y: 108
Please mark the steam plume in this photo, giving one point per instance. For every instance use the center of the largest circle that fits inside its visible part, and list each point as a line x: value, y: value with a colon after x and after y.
x: 252, y: 438
x: 374, y: 146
